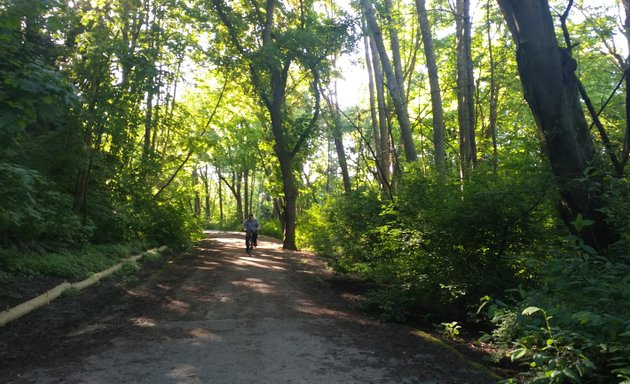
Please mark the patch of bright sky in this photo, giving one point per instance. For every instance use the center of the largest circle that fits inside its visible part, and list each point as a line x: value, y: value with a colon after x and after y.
x: 352, y: 86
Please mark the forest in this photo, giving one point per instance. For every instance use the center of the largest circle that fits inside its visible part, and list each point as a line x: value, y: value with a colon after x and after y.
x: 467, y: 158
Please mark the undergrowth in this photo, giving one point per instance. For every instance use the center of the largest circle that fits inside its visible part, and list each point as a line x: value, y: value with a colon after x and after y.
x: 68, y: 264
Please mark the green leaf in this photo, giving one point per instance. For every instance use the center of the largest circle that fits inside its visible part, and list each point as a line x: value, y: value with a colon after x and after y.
x: 518, y: 353
x: 571, y: 374
x: 579, y: 223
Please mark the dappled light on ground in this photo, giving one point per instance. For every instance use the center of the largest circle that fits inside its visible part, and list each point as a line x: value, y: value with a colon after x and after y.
x: 143, y: 322
x: 178, y: 305
x: 185, y: 373
x: 256, y: 285
x: 220, y: 315
x: 256, y: 262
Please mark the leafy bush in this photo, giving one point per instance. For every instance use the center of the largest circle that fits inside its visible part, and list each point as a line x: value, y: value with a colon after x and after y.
x: 576, y: 326
x: 39, y: 213
x: 271, y: 228
x: 429, y: 248
x: 168, y: 223
x: 67, y: 264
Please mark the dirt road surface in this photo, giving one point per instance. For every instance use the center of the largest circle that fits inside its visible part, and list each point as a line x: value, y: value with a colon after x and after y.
x: 217, y: 315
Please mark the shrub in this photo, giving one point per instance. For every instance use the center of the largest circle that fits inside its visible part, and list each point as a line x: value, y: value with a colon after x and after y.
x: 39, y: 213
x: 576, y: 326
x: 440, y: 246
x: 271, y: 228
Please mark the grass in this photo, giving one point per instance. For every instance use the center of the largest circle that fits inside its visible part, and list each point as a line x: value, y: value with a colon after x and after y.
x: 68, y: 264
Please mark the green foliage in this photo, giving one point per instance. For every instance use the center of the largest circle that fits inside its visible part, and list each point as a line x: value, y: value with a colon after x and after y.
x: 450, y: 330
x: 342, y: 230
x: 31, y: 90
x: 70, y: 292
x: 271, y: 228
x: 72, y: 265
x: 39, y: 213
x: 617, y: 210
x: 128, y: 268
x: 575, y: 327
x: 430, y: 249
x: 167, y: 223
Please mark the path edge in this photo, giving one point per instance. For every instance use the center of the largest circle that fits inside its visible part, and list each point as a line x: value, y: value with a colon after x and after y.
x: 45, y: 298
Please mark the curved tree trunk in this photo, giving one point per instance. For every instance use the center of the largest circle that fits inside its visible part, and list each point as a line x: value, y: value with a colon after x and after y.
x: 550, y: 87
x: 378, y: 113
x: 396, y: 90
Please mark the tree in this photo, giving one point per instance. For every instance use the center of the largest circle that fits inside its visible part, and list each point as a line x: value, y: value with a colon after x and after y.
x: 394, y: 82
x: 282, y: 33
x: 434, y: 84
x: 465, y: 88
x: 378, y: 112
x: 550, y: 87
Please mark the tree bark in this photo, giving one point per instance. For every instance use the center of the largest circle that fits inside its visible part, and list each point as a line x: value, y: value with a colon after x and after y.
x: 333, y: 107
x: 494, y: 96
x: 383, y: 146
x: 550, y: 87
x: 396, y: 90
x: 626, y: 65
x: 221, y: 214
x: 465, y: 89
x: 207, y: 193
x: 434, y: 85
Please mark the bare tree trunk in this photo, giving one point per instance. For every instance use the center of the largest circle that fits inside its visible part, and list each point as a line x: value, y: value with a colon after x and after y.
x: 333, y: 107
x: 247, y: 207
x: 396, y: 90
x: 374, y: 123
x: 434, y: 84
x: 383, y: 149
x: 251, y: 193
x: 220, y: 182
x: 550, y: 87
x: 494, y: 96
x: 465, y: 89
x: 626, y: 65
x: 395, y: 47
x: 206, y: 185
x: 197, y: 198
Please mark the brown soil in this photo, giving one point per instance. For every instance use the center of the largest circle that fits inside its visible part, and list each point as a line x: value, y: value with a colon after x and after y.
x: 218, y: 315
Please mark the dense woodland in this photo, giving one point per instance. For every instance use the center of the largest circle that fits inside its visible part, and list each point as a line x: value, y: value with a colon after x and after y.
x: 478, y: 177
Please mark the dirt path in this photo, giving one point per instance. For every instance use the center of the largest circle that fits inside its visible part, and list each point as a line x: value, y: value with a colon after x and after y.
x: 217, y: 315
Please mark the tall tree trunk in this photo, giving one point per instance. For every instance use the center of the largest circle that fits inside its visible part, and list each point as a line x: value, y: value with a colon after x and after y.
x: 289, y: 213
x: 494, y: 95
x: 383, y: 148
x: 376, y: 134
x: 465, y: 88
x: 235, y: 187
x: 333, y: 107
x: 221, y: 214
x: 197, y: 199
x: 434, y: 85
x: 396, y: 90
x: 247, y: 208
x: 206, y: 185
x: 550, y: 87
x: 626, y: 65
x: 395, y: 47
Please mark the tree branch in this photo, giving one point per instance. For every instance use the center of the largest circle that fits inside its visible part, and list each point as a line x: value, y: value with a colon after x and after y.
x: 190, y: 151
